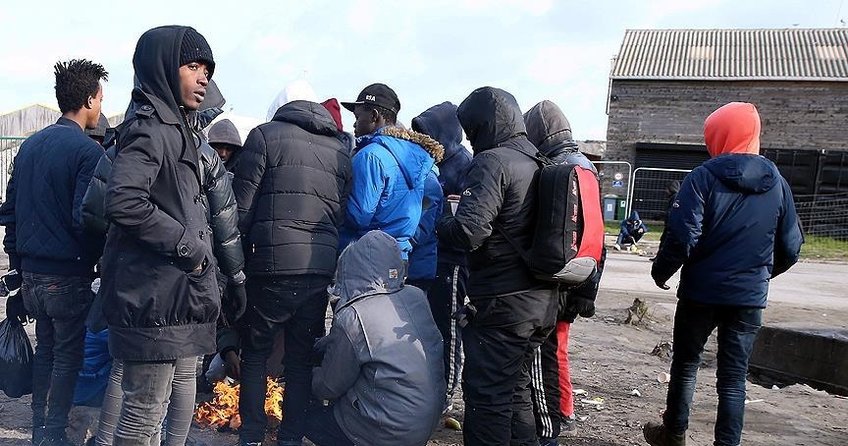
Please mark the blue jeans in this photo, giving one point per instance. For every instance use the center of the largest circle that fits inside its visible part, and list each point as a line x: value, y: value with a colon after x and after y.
x: 59, y: 305
x: 737, y: 329
x: 296, y: 305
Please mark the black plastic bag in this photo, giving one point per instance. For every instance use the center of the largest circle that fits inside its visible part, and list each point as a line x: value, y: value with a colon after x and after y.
x: 15, y: 359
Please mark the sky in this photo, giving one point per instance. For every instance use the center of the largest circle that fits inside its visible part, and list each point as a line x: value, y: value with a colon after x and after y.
x: 427, y: 51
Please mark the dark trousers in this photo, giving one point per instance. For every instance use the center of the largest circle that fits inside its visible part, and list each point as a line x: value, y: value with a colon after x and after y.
x: 553, y: 399
x: 323, y: 429
x: 446, y: 297
x: 59, y: 305
x: 737, y: 329
x: 499, y: 345
x: 297, y: 305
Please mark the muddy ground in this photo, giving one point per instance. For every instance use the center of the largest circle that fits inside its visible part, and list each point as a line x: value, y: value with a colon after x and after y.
x: 611, y: 359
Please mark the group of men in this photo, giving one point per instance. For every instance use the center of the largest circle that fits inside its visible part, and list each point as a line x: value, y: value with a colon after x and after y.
x: 405, y: 235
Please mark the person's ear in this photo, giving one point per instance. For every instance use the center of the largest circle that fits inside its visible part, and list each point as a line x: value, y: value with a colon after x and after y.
x: 89, y: 103
x: 375, y: 116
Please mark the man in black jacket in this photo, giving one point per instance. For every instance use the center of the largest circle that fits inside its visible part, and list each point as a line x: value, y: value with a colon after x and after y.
x: 160, y: 293
x: 514, y: 311
x: 45, y: 240
x: 291, y: 184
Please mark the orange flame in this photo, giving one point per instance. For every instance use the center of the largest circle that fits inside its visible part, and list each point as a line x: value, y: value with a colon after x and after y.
x: 223, y: 409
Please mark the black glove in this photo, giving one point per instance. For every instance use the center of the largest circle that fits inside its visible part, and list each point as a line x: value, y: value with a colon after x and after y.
x: 15, y: 310
x: 12, y: 281
x: 580, y: 306
x: 236, y: 303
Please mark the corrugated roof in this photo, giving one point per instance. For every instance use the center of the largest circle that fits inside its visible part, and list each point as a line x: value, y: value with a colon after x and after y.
x: 734, y: 54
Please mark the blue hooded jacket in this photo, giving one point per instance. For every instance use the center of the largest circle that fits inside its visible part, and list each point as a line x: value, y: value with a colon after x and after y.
x: 441, y: 123
x: 389, y: 172
x: 732, y: 227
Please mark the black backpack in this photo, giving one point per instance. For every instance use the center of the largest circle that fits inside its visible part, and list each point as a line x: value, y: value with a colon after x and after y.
x: 569, y: 232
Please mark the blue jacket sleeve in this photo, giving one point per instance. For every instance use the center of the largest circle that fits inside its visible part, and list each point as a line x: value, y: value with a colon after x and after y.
x: 684, y: 229
x: 788, y: 237
x: 432, y: 210
x: 369, y: 181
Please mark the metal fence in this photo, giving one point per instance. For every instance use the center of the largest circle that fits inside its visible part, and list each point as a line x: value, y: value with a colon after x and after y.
x: 8, y: 149
x: 649, y: 191
x: 615, y: 178
x: 824, y: 215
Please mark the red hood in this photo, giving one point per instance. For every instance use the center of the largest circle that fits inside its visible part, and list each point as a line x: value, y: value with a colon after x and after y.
x: 733, y: 128
x: 332, y: 105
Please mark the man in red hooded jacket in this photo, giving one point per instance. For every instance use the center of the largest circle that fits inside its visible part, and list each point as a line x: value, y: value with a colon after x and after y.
x: 732, y: 228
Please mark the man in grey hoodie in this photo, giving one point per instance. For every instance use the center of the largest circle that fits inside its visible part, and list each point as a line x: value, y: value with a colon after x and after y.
x: 382, y: 367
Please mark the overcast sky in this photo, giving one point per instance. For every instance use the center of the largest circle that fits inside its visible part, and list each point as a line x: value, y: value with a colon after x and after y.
x: 428, y: 51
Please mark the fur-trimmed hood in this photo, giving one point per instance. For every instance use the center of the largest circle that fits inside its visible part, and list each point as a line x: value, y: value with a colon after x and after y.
x: 433, y: 147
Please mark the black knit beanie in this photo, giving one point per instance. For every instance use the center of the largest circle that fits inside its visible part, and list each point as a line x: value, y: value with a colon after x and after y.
x: 194, y: 48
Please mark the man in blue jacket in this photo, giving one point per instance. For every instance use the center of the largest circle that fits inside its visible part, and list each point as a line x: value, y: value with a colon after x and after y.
x: 733, y: 227
x: 45, y: 239
x: 390, y: 166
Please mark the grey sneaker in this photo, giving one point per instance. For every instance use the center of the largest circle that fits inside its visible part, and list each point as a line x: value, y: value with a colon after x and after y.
x: 569, y: 424
x: 656, y: 434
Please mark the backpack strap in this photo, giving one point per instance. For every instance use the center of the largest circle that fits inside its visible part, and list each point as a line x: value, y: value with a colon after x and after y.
x: 525, y: 256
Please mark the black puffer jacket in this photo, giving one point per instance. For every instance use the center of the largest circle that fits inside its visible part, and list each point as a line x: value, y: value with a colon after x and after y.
x: 500, y: 191
x: 291, y: 184
x: 218, y: 199
x: 157, y: 305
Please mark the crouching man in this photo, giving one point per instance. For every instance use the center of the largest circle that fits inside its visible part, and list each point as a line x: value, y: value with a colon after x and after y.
x: 382, y: 368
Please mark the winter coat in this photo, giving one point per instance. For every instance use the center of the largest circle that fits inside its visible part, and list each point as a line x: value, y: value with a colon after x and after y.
x: 44, y: 226
x: 440, y: 123
x: 632, y: 225
x: 383, y: 365
x: 159, y: 306
x: 733, y: 226
x: 424, y: 255
x: 218, y: 199
x: 499, y: 195
x: 291, y: 184
x: 94, y: 375
x: 389, y: 172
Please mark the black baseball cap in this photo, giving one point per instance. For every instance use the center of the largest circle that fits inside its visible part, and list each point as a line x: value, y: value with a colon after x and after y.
x: 376, y: 94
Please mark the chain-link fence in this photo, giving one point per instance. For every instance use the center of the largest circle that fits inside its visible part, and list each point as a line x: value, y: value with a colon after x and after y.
x: 824, y: 215
x: 8, y: 149
x: 649, y: 191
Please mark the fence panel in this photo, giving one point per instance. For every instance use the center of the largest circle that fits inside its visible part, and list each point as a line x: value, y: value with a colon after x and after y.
x: 648, y: 191
x: 8, y: 149
x: 824, y: 215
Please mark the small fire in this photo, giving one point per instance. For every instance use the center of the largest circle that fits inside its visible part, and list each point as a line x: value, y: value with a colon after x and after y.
x: 222, y: 411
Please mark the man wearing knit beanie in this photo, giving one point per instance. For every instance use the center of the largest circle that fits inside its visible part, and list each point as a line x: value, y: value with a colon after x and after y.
x: 160, y: 293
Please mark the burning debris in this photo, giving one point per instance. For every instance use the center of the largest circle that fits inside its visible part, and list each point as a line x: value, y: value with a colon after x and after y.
x: 222, y: 411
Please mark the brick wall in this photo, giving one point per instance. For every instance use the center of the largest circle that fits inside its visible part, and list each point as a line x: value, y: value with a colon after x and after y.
x: 795, y: 115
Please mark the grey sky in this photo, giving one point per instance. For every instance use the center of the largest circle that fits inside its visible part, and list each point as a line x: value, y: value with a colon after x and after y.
x: 428, y: 51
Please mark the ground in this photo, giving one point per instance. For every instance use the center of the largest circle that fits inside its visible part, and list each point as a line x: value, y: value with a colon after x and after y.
x: 611, y: 359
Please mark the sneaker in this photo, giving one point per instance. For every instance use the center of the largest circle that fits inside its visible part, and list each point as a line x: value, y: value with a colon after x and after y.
x: 548, y: 442
x: 617, y: 247
x: 569, y: 424
x: 250, y: 443
x: 656, y: 434
x: 37, y: 435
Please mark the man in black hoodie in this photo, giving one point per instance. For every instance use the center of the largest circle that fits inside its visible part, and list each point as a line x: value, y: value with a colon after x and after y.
x: 45, y: 240
x: 514, y: 310
x: 291, y: 185
x: 160, y: 293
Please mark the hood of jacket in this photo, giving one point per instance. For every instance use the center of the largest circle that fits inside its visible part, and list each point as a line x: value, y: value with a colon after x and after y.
x: 733, y: 128
x: 298, y: 90
x: 489, y: 116
x: 548, y: 129
x: 440, y: 123
x: 414, y: 164
x: 310, y: 116
x: 634, y: 217
x: 744, y: 172
x: 371, y: 265
x: 332, y: 106
x: 225, y: 132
